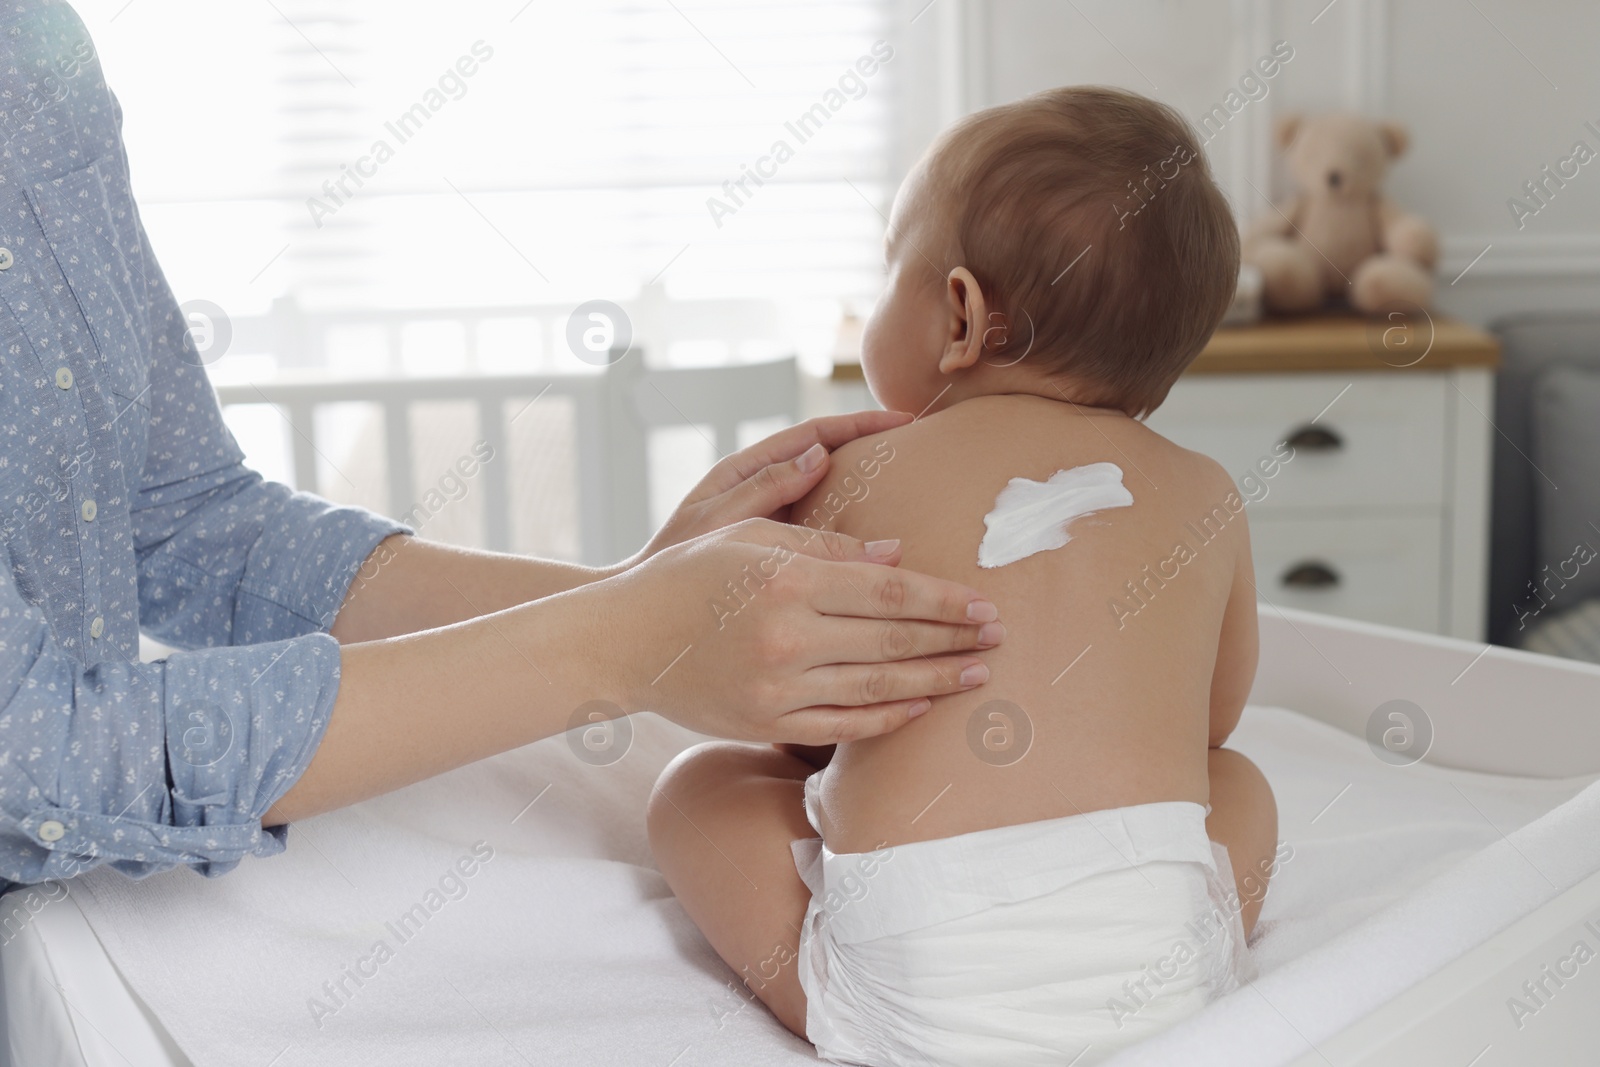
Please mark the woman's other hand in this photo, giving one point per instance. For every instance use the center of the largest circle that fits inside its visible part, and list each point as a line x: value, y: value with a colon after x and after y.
x: 760, y: 482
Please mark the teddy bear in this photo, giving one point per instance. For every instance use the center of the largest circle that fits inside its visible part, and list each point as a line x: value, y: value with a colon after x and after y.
x: 1341, y: 237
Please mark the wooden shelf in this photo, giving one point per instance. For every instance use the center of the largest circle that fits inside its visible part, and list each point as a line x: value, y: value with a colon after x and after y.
x: 1345, y: 342
x: 1328, y: 343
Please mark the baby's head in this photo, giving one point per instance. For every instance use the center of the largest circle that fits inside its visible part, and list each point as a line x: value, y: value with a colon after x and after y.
x: 1071, y: 244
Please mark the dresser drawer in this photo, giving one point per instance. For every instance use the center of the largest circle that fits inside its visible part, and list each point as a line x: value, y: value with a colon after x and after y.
x: 1380, y: 443
x: 1383, y: 570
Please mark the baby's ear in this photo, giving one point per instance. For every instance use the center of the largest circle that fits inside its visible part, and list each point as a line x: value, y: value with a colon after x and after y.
x: 966, y: 320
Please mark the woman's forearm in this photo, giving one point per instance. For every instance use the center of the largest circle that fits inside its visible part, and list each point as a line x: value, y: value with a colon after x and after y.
x: 408, y: 584
x: 809, y: 658
x: 418, y: 705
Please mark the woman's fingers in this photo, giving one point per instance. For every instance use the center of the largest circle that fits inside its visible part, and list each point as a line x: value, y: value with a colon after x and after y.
x: 886, y: 640
x: 835, y: 430
x: 794, y: 541
x: 860, y: 685
x: 775, y: 486
x: 841, y: 578
x: 829, y: 431
x: 868, y: 591
x: 763, y: 480
x: 835, y: 726
x: 786, y: 445
x: 815, y: 727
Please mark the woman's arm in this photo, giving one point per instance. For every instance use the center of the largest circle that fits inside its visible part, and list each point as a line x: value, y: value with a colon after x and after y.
x: 802, y: 660
x: 408, y: 584
x: 148, y: 765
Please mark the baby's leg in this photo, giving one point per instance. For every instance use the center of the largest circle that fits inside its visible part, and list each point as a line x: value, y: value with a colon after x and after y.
x: 1244, y: 818
x: 721, y: 820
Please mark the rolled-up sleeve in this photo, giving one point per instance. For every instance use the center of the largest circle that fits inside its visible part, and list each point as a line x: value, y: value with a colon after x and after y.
x: 147, y: 766
x: 228, y: 558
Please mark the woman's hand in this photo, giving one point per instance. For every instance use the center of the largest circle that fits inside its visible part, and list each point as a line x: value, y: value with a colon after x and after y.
x: 769, y: 632
x: 760, y: 482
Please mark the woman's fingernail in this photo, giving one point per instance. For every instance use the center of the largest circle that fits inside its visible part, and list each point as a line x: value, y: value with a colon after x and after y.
x: 810, y: 459
x: 982, y: 611
x: 919, y: 707
x: 882, y: 549
x: 976, y: 674
x: 991, y: 633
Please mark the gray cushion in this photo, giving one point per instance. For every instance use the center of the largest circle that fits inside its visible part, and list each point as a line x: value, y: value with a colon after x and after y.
x: 1573, y: 634
x: 1532, y: 343
x: 1566, y: 454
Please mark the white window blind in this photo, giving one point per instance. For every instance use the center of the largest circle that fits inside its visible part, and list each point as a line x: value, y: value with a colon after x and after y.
x: 360, y: 155
x: 507, y: 152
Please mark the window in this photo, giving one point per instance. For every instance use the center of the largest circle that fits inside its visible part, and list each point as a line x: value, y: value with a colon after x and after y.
x: 406, y: 154
x: 349, y: 155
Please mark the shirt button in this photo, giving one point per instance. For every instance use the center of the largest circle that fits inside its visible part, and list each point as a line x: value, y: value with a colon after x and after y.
x: 50, y: 830
x: 89, y: 511
x: 97, y: 627
x: 5, y: 259
x: 64, y: 378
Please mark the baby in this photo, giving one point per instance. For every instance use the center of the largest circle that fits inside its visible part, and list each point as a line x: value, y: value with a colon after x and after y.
x: 1042, y: 870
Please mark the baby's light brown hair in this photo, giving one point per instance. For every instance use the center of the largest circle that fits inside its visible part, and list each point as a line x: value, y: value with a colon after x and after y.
x: 1027, y: 187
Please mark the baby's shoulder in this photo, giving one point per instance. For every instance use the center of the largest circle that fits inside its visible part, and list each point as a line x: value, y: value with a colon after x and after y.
x: 920, y: 447
x: 894, y: 471
x: 854, y: 469
x: 1195, y: 470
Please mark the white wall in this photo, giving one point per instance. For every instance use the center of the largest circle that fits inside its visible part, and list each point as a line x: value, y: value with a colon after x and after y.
x: 1492, y: 91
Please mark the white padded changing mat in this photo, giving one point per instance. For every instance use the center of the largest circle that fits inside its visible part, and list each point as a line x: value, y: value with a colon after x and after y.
x: 567, y: 947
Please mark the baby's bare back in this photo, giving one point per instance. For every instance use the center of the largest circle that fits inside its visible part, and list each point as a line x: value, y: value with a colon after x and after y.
x: 1101, y: 694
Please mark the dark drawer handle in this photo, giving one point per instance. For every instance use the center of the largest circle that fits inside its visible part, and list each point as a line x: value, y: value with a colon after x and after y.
x: 1311, y: 575
x: 1315, y: 439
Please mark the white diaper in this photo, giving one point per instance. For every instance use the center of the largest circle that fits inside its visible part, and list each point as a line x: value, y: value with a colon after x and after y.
x: 1050, y: 942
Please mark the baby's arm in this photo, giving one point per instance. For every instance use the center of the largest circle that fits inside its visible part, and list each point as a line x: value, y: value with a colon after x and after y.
x: 1237, y: 646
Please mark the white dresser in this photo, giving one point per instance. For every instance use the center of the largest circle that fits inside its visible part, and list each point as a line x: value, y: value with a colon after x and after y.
x: 1382, y: 513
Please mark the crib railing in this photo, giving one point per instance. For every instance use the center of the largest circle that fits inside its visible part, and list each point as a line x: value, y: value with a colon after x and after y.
x: 615, y: 411
x: 298, y: 400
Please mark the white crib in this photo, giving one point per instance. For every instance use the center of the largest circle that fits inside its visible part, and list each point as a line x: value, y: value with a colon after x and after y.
x: 612, y: 410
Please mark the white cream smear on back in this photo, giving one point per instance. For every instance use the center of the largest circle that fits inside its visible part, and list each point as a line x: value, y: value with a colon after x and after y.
x: 1030, y: 516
